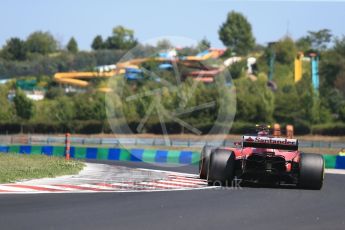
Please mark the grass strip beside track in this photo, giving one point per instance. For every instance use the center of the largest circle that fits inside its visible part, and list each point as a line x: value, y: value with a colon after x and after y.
x: 14, y: 167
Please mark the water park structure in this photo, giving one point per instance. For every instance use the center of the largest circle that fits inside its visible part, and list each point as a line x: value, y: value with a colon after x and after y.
x: 313, y: 58
x: 131, y: 68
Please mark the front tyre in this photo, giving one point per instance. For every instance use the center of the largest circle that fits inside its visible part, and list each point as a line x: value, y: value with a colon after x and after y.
x: 311, y: 171
x: 221, y: 168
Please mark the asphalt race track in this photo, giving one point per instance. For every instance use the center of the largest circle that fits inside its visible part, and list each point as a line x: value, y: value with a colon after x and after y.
x: 241, y: 208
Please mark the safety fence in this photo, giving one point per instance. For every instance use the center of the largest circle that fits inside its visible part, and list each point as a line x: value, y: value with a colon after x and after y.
x: 119, y: 154
x: 130, y: 141
x: 135, y: 154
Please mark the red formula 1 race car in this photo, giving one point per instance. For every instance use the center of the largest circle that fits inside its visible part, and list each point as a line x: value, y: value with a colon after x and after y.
x: 262, y: 159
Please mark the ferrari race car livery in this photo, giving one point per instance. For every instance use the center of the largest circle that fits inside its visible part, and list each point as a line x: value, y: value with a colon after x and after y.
x: 262, y: 159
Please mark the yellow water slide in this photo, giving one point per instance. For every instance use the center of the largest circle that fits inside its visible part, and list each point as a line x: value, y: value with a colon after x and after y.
x: 298, y: 67
x: 213, y: 53
x: 80, y: 79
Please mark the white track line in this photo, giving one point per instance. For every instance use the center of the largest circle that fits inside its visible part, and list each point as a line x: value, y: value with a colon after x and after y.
x: 124, y: 185
x: 189, y: 181
x: 188, y: 178
x: 170, y: 172
x: 98, y: 186
x: 52, y: 187
x: 9, y: 187
x: 181, y: 184
x: 335, y: 171
x: 111, y: 191
x: 160, y: 185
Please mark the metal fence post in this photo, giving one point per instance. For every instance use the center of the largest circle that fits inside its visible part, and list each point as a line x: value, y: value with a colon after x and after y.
x: 67, y: 147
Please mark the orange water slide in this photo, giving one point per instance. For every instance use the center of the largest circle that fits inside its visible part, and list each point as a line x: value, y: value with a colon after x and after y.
x: 78, y: 78
x: 213, y: 53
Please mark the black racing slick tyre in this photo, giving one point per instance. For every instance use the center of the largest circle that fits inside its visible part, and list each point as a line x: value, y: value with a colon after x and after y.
x: 311, y: 171
x: 221, y: 168
x: 204, y: 161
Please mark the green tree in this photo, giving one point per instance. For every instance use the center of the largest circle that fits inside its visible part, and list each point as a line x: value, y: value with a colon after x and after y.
x: 332, y: 66
x: 314, y: 41
x: 54, y: 92
x: 320, y: 39
x: 332, y: 99
x: 90, y: 107
x: 285, y: 51
x: 23, y: 105
x: 342, y: 113
x: 304, y: 44
x: 204, y: 44
x: 255, y: 101
x: 308, y: 101
x: 238, y: 69
x: 339, y: 82
x: 14, y: 50
x: 72, y: 46
x: 339, y: 46
x: 332, y: 78
x: 122, y: 38
x: 164, y: 44
x: 99, y: 107
x: 64, y: 110
x: 97, y: 43
x: 287, y: 104
x: 6, y: 112
x: 236, y: 33
x: 41, y: 42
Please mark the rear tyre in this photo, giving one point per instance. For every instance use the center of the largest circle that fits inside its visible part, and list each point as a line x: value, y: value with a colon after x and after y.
x: 204, y: 161
x: 221, y: 168
x: 311, y: 171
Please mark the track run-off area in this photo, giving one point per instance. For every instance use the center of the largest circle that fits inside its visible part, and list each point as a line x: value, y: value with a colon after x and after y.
x: 109, y: 178
x: 136, y: 195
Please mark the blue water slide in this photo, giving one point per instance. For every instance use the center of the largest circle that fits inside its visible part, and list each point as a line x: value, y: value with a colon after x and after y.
x: 133, y: 74
x: 315, y: 72
x: 203, y: 53
x: 165, y: 66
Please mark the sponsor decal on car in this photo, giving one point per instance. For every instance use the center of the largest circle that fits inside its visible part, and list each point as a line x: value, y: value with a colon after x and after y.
x: 270, y: 140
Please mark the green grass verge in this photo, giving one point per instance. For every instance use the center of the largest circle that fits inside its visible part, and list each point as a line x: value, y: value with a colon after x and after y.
x: 14, y: 167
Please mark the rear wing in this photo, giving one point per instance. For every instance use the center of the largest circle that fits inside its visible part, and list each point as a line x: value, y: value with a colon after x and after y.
x: 270, y: 142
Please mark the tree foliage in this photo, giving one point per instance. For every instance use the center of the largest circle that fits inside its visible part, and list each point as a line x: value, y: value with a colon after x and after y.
x: 97, y: 43
x: 303, y: 44
x: 295, y: 103
x: 285, y: 51
x: 204, y: 44
x: 315, y: 40
x: 236, y: 33
x: 320, y: 39
x: 41, y: 43
x: 122, y: 38
x: 332, y: 78
x: 72, y: 46
x: 89, y: 107
x: 164, y: 44
x: 7, y: 111
x: 23, y: 105
x: 255, y: 102
x: 64, y: 110
x: 14, y: 50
